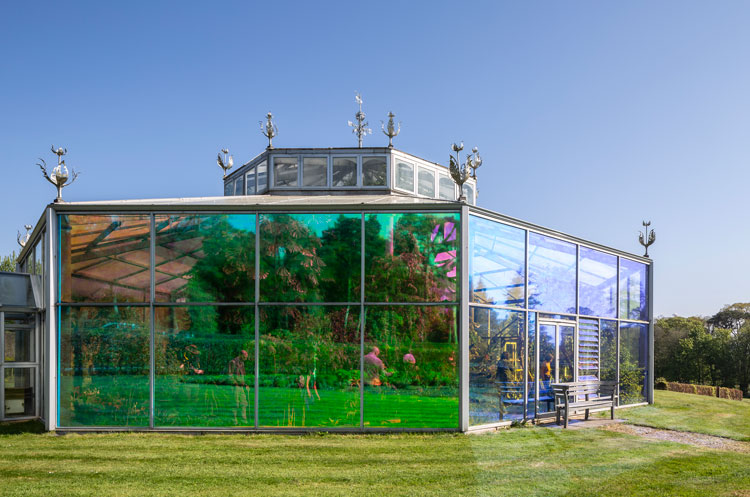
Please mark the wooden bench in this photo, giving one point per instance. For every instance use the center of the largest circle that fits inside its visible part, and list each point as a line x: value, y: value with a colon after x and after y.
x: 571, y: 398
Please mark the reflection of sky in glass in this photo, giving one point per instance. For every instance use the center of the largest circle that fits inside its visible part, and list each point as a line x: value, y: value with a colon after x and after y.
x: 242, y: 222
x: 496, y: 264
x: 552, y: 274
x: 598, y: 287
x: 633, y: 290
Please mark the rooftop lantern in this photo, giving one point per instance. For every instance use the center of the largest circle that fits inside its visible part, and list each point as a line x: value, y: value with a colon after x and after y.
x: 461, y: 172
x: 360, y: 129
x: 227, y: 162
x: 60, y: 174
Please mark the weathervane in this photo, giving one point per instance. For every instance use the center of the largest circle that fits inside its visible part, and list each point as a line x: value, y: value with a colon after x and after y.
x: 391, y: 132
x: 226, y: 163
x: 60, y: 175
x: 643, y: 236
x: 269, y: 130
x: 462, y: 172
x: 24, y: 239
x: 360, y: 129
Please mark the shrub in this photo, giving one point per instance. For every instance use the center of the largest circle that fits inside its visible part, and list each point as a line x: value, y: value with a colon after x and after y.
x: 729, y: 393
x: 724, y: 393
x: 661, y: 383
x: 705, y: 390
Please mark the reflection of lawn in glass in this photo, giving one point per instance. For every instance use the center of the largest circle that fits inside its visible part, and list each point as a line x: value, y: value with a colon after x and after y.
x: 180, y: 403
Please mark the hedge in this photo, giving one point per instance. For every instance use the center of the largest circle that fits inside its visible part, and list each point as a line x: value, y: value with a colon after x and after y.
x: 711, y: 391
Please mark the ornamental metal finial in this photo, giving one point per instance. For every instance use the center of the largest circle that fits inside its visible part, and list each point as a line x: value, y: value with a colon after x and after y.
x: 648, y: 238
x: 226, y: 163
x: 391, y: 132
x: 462, y: 172
x: 24, y: 239
x: 360, y: 129
x: 60, y: 175
x: 269, y: 129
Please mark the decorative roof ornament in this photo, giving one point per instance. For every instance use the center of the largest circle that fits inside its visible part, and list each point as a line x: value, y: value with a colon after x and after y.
x: 269, y: 130
x: 360, y: 129
x: 24, y: 239
x: 462, y: 172
x: 391, y: 132
x: 477, y: 162
x: 60, y: 174
x: 226, y: 163
x: 648, y: 238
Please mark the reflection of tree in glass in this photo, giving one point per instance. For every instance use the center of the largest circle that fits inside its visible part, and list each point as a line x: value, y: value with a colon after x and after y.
x: 417, y: 263
x: 290, y: 268
x: 225, y: 266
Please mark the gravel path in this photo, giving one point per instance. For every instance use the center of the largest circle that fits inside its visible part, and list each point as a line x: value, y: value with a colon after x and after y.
x: 696, y: 439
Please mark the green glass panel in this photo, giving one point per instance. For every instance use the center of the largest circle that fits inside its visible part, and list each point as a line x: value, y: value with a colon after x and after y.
x: 309, y: 366
x: 205, y: 258
x: 104, y: 366
x: 310, y: 257
x: 411, y: 257
x: 496, y: 365
x: 411, y: 375
x: 205, y: 366
x: 105, y: 258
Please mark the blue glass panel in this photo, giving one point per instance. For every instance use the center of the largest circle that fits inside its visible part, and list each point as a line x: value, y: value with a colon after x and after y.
x: 633, y: 290
x: 496, y: 264
x: 597, y: 283
x: 496, y: 365
x: 552, y: 274
x: 633, y: 362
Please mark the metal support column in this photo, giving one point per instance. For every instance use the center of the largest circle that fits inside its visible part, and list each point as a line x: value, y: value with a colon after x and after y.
x: 650, y: 352
x: 463, y: 330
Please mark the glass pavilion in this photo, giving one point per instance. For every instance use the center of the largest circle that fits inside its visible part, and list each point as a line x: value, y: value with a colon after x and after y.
x: 334, y: 289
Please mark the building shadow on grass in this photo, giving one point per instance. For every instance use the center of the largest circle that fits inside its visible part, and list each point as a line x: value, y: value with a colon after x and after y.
x: 19, y: 427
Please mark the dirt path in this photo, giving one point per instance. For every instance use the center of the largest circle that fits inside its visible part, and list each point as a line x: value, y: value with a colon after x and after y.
x: 696, y: 439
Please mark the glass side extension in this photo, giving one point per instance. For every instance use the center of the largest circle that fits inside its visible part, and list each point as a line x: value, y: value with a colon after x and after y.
x: 588, y: 350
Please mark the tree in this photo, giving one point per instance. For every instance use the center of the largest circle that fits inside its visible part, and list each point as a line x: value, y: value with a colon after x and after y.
x: 8, y: 262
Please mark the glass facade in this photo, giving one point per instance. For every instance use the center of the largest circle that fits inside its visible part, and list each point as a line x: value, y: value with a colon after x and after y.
x: 210, y: 317
x: 516, y: 355
x: 328, y: 320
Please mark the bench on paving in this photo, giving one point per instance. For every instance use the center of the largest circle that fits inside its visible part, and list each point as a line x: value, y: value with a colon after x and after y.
x: 572, y: 398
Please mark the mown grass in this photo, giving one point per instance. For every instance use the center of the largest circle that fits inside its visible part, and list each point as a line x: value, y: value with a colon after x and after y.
x: 524, y: 461
x: 696, y: 413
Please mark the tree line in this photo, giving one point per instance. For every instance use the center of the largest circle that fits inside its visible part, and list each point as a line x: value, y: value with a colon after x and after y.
x: 706, y: 351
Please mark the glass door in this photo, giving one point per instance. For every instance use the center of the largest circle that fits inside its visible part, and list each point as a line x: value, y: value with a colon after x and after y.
x: 556, y: 359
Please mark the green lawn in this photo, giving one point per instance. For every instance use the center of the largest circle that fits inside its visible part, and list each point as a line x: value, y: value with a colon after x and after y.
x: 528, y: 461
x: 697, y: 413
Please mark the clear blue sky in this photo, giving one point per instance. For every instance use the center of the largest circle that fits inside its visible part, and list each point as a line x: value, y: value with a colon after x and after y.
x: 591, y: 116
